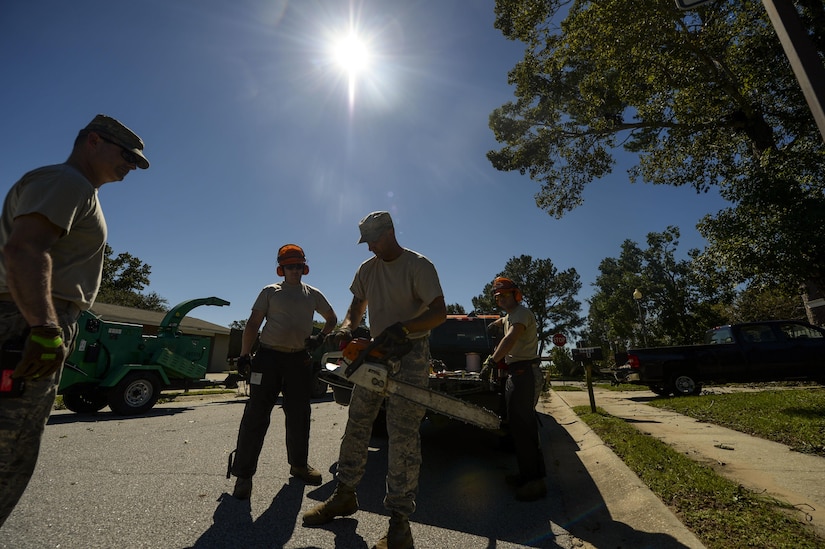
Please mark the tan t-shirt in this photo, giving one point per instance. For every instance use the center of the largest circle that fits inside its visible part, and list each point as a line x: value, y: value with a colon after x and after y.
x: 527, y: 346
x: 289, y: 309
x: 396, y: 290
x: 69, y: 200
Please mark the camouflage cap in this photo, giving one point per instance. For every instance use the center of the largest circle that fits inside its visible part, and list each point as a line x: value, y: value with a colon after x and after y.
x: 374, y: 225
x: 120, y: 134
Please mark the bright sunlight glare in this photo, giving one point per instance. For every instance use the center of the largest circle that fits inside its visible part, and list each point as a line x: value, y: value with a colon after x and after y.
x: 351, y: 55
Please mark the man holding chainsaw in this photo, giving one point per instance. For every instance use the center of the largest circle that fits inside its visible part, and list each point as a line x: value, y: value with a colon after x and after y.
x: 282, y: 364
x: 53, y: 240
x: 518, y: 349
x: 401, y: 290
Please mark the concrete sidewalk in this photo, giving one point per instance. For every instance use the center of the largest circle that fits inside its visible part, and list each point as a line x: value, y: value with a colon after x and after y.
x: 757, y: 464
x: 627, y: 499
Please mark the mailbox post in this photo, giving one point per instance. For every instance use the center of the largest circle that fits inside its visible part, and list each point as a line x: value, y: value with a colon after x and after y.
x: 586, y: 355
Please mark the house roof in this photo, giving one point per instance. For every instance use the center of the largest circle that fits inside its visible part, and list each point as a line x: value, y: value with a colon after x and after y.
x: 189, y: 324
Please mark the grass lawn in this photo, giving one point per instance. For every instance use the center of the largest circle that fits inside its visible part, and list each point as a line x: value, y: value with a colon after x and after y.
x: 720, y: 512
x: 793, y: 417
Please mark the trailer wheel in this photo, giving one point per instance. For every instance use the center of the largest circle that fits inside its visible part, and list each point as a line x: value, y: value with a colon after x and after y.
x: 85, y: 402
x: 135, y: 394
x: 685, y: 384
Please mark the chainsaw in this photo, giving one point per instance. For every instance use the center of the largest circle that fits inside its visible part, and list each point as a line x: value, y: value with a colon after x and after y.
x: 370, y: 364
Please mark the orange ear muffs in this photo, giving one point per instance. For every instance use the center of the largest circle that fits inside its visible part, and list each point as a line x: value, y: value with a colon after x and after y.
x: 280, y: 270
x: 290, y: 254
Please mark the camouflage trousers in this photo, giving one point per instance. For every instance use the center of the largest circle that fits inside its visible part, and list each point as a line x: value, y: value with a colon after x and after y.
x: 23, y: 419
x: 403, y: 424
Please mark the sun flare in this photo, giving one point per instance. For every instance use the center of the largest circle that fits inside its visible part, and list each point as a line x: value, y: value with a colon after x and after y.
x: 351, y: 55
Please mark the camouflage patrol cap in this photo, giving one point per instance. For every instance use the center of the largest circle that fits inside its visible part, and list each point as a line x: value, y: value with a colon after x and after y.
x: 374, y: 225
x: 120, y: 134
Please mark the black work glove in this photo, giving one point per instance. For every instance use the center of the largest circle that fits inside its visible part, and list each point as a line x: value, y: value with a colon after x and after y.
x: 245, y: 366
x: 43, y: 353
x: 341, y: 338
x: 314, y: 341
x: 393, y: 335
x: 487, y: 368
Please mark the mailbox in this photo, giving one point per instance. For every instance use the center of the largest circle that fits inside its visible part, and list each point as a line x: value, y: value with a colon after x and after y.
x: 587, y: 353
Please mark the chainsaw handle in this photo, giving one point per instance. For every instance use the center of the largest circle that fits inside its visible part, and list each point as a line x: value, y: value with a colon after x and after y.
x: 362, y: 356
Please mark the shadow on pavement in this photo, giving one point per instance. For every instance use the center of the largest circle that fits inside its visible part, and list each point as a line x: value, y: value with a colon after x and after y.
x: 462, y: 488
x: 61, y: 419
x: 233, y: 526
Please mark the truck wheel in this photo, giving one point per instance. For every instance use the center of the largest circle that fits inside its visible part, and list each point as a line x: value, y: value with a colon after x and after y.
x: 135, y: 394
x: 684, y: 384
x: 85, y: 403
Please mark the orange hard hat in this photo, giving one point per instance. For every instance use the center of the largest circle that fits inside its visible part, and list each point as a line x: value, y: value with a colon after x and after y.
x: 291, y: 254
x: 503, y: 285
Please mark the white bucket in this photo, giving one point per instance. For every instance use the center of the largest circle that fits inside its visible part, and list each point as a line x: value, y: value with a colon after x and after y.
x: 473, y: 362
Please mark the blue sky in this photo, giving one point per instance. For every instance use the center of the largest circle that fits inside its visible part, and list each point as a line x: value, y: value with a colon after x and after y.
x: 256, y: 140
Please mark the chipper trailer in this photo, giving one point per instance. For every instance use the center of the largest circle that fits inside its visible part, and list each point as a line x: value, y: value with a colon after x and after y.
x: 115, y: 363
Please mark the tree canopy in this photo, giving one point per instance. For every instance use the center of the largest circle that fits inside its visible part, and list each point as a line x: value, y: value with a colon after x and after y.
x: 124, y: 277
x: 548, y: 293
x: 704, y: 98
x: 648, y: 297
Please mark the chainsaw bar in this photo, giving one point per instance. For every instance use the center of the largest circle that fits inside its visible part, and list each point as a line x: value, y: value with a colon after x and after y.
x: 374, y: 377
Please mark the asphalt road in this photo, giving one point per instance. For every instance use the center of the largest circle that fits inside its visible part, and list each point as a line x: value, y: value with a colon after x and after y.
x: 158, y: 481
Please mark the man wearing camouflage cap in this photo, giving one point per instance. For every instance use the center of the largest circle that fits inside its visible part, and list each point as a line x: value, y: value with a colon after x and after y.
x: 53, y: 238
x: 401, y: 290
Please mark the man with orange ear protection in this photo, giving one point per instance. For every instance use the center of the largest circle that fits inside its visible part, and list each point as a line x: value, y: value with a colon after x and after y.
x: 281, y: 364
x: 519, y: 348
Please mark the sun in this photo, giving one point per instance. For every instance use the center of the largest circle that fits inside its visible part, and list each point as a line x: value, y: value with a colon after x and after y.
x: 351, y: 55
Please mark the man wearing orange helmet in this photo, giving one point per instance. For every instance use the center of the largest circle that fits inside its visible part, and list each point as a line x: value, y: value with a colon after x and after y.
x: 518, y: 348
x: 281, y: 364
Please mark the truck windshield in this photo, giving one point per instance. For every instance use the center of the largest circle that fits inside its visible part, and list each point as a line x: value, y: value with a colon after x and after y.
x: 719, y: 335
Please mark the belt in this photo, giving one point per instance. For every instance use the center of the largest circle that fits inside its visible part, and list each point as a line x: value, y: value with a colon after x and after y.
x: 60, y: 305
x: 281, y: 349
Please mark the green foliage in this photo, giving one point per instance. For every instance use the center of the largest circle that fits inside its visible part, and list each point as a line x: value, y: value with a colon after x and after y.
x: 123, y: 278
x: 753, y: 304
x: 675, y: 306
x: 795, y: 418
x: 563, y: 361
x: 455, y: 309
x: 705, y: 98
x: 548, y: 293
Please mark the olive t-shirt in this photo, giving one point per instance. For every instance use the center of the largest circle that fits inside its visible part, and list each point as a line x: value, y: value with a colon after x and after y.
x: 69, y: 200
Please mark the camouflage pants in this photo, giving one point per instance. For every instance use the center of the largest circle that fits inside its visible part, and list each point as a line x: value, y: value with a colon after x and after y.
x: 23, y: 419
x: 403, y: 424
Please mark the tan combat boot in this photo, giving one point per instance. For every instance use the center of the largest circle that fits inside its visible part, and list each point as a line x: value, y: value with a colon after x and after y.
x: 399, y: 535
x: 342, y: 503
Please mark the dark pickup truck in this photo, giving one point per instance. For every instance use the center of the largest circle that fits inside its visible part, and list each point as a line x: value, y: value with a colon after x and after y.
x: 774, y: 350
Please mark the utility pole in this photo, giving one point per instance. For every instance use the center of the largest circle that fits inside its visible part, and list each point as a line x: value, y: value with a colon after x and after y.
x: 802, y: 55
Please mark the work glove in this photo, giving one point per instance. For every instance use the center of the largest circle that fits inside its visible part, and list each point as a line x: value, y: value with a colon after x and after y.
x: 341, y: 338
x: 245, y: 366
x: 393, y: 335
x: 314, y: 341
x: 487, y: 368
x: 43, y: 353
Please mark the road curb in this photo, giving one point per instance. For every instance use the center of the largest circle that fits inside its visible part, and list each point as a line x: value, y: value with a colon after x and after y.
x: 627, y: 498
